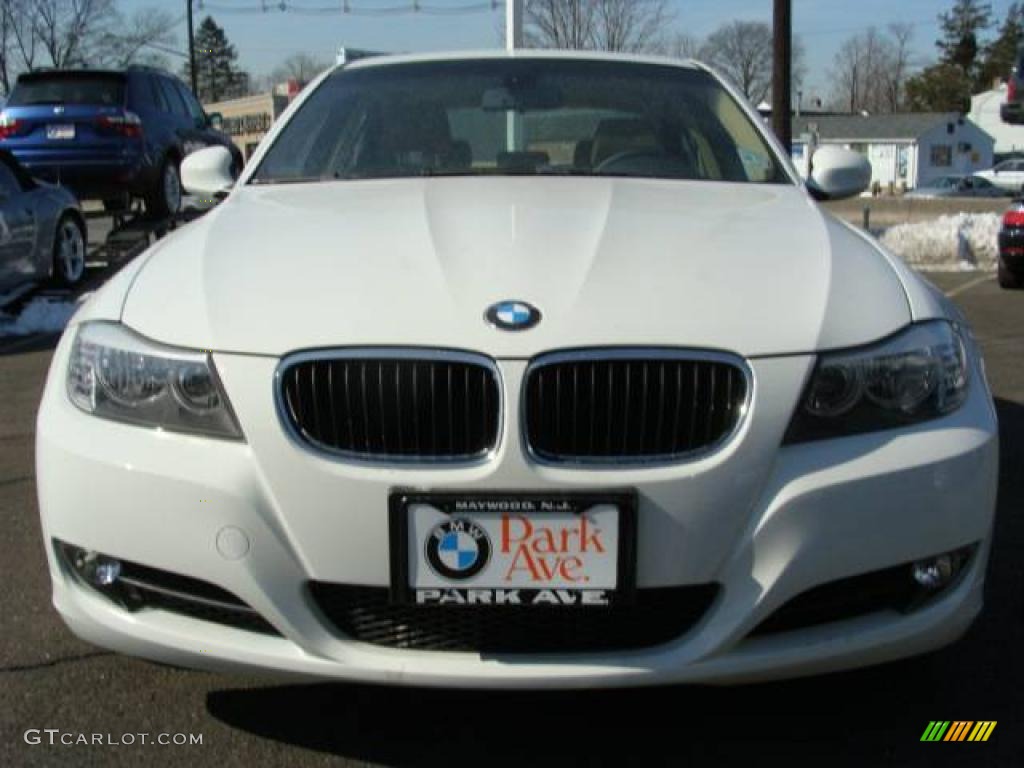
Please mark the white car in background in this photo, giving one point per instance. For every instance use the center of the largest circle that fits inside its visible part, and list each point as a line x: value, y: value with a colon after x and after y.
x: 1008, y: 175
x: 530, y: 370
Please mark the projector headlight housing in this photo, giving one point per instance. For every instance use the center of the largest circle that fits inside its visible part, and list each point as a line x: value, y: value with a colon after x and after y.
x: 919, y: 374
x: 117, y: 374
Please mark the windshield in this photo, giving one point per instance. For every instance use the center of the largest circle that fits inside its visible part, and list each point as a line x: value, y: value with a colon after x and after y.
x: 520, y: 117
x: 68, y: 88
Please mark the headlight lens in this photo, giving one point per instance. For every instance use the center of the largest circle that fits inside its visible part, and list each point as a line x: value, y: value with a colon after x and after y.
x: 117, y: 374
x: 917, y: 375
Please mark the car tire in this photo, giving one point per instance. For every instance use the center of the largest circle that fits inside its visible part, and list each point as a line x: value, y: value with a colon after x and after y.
x: 69, y: 251
x: 165, y: 197
x: 1008, y: 279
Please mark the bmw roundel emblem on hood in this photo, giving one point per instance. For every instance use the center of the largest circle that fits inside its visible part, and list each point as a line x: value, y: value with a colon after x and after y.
x: 512, y: 315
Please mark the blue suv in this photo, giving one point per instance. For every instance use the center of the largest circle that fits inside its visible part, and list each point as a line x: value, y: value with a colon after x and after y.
x: 109, y: 135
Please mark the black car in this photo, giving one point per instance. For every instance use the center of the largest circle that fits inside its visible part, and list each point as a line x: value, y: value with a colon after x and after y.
x: 108, y: 135
x: 1011, y: 247
x: 1012, y: 111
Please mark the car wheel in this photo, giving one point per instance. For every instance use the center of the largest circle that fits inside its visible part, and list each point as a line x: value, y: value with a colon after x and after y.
x: 1008, y: 279
x: 165, y: 198
x: 68, y: 251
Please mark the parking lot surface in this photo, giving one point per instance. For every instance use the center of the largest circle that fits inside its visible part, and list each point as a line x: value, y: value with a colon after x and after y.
x: 874, y: 717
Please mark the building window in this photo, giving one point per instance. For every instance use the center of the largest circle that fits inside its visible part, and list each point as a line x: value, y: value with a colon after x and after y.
x: 942, y: 156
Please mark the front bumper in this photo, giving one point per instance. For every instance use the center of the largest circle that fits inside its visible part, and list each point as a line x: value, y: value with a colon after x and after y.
x: 764, y: 523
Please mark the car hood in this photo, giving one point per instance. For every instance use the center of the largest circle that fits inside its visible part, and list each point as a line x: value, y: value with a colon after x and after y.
x: 752, y: 269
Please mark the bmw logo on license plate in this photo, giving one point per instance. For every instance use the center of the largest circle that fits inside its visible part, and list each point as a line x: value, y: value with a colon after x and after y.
x: 512, y: 315
x: 458, y: 549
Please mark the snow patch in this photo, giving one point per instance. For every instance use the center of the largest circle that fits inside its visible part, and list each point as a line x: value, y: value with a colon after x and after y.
x: 960, y: 242
x: 41, y: 315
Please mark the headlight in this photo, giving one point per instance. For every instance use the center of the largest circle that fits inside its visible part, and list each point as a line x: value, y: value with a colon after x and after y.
x: 919, y: 374
x: 117, y: 374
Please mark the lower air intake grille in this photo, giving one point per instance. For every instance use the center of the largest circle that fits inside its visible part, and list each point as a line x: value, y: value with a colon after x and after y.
x: 412, y: 406
x: 658, y: 616
x: 143, y: 587
x: 621, y: 406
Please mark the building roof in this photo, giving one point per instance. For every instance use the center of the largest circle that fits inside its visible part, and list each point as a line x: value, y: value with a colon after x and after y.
x: 901, y: 127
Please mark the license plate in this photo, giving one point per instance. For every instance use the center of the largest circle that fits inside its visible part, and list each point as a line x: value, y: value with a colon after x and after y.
x: 60, y: 131
x: 513, y: 549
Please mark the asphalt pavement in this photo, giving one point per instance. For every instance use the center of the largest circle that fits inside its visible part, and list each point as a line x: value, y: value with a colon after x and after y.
x: 873, y: 717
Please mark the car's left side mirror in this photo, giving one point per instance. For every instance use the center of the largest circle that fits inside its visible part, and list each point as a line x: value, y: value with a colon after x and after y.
x: 206, y: 172
x: 838, y: 173
x: 216, y: 121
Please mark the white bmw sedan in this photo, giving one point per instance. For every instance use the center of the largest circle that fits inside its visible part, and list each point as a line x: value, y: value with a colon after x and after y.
x: 528, y: 370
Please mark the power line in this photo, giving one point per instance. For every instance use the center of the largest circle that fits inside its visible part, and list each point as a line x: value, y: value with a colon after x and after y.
x: 165, y: 49
x: 351, y: 8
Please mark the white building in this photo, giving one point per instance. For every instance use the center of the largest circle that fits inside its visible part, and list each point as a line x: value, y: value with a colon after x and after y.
x: 906, y: 150
x: 985, y: 113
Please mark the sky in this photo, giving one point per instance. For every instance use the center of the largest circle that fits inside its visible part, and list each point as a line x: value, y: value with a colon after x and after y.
x: 263, y: 40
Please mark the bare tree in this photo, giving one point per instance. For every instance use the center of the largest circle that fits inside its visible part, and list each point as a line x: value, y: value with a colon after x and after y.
x: 901, y: 36
x: 560, y: 23
x: 136, y: 40
x: 6, y: 45
x: 684, y: 46
x: 610, y: 25
x: 870, y: 70
x: 630, y: 25
x: 299, y: 66
x: 72, y: 32
x: 23, y: 34
x: 742, y: 51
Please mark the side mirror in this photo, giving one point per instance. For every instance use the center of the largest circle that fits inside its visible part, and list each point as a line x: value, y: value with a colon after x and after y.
x: 206, y: 172
x: 838, y: 173
x: 216, y: 121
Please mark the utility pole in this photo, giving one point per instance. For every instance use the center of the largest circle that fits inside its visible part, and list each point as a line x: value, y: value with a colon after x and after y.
x: 192, y: 52
x: 513, y: 24
x: 782, y: 73
x: 513, y: 40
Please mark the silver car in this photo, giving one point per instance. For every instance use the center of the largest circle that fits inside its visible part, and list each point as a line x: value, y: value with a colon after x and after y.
x: 42, y: 230
x: 959, y: 186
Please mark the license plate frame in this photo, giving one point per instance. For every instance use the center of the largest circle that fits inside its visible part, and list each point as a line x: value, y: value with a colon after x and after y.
x: 400, y: 500
x: 60, y: 132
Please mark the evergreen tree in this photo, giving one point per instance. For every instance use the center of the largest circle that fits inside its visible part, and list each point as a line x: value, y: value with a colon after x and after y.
x: 961, y: 27
x: 939, y: 88
x: 1000, y: 55
x: 217, y: 76
x: 947, y: 86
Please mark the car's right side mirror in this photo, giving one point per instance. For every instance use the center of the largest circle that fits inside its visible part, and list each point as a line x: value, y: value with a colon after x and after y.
x: 206, y: 172
x: 838, y: 173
